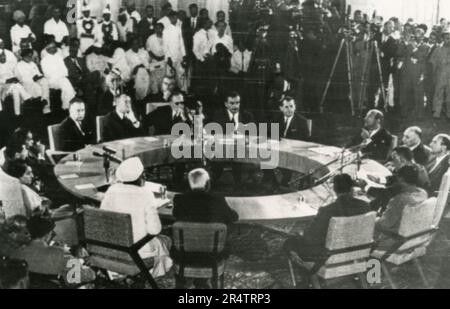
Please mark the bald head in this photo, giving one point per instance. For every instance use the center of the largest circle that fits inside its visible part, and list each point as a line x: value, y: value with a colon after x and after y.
x: 199, y: 180
x: 412, y: 137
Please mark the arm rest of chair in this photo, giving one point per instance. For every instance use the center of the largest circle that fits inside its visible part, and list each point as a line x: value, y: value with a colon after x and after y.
x: 388, y: 233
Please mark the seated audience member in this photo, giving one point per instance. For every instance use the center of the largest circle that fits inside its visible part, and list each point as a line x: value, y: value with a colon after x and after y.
x: 146, y: 27
x: 14, y: 235
x: 440, y: 150
x: 55, y: 71
x: 33, y: 80
x: 74, y: 133
x: 10, y: 57
x: 131, y: 195
x: 168, y: 86
x: 46, y: 259
x: 155, y: 47
x: 10, y: 84
x: 76, y: 66
x: 164, y: 118
x: 412, y: 138
x: 311, y: 246
x: 138, y: 60
x: 401, y: 156
x: 409, y: 195
x: 125, y: 27
x: 201, y: 206
x: 56, y: 27
x: 26, y: 44
x: 374, y: 141
x: 34, y: 203
x: 121, y: 123
x: 13, y: 274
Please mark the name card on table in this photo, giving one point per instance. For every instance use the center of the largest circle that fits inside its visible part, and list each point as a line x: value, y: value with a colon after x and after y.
x: 85, y: 187
x: 67, y: 177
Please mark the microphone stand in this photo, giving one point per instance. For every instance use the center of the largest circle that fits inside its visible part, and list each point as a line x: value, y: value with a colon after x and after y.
x: 106, y: 166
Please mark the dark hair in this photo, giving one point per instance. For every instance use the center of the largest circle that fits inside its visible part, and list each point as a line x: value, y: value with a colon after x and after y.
x: 405, y: 153
x: 445, y: 141
x: 173, y: 14
x: 287, y: 99
x: 193, y: 6
x: 410, y: 174
x: 175, y: 93
x: 16, y: 142
x: 232, y: 94
x: 166, y: 6
x: 11, y: 272
x: 40, y: 227
x: 16, y: 168
x: 149, y: 6
x: 160, y: 25
x: 26, y: 52
x: 343, y: 184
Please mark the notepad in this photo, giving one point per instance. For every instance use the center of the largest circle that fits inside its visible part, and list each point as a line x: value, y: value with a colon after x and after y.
x: 85, y: 187
x: 74, y: 163
x: 70, y: 176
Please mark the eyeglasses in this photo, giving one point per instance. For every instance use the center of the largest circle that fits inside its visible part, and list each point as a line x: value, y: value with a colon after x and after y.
x: 179, y: 103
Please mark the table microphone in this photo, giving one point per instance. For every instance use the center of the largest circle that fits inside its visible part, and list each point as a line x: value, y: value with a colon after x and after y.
x: 109, y: 150
x: 107, y: 156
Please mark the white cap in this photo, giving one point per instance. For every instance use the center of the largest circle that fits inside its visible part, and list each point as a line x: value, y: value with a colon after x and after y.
x: 130, y: 170
x: 107, y: 10
x: 85, y: 7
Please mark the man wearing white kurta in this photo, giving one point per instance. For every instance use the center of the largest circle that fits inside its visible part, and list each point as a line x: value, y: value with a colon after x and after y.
x: 221, y: 37
x: 138, y: 61
x: 32, y: 79
x: 133, y: 196
x: 174, y: 48
x: 55, y: 71
x: 86, y: 29
x: 106, y: 29
x: 20, y: 31
x: 155, y: 47
x: 203, y: 42
x: 9, y: 84
x: 56, y: 27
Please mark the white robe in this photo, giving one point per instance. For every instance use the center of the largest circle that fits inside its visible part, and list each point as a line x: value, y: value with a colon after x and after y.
x: 16, y: 90
x: 18, y: 33
x: 37, y: 89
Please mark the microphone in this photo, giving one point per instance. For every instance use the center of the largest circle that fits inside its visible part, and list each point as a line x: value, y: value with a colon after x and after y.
x: 107, y: 156
x: 109, y: 150
x: 98, y: 154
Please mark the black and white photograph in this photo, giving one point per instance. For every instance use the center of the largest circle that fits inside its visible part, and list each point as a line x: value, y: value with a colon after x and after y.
x: 248, y: 145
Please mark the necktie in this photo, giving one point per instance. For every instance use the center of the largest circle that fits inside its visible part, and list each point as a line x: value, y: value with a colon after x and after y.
x: 243, y: 63
x: 286, y: 124
x: 76, y: 63
x: 80, y: 127
x: 193, y: 23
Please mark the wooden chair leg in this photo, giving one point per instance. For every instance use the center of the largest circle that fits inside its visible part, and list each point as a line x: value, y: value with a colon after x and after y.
x: 388, y: 276
x: 292, y: 273
x: 316, y: 282
x: 421, y: 272
x: 363, y: 281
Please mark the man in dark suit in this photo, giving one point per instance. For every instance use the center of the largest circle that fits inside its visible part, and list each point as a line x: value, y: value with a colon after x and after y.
x: 190, y: 26
x: 164, y: 118
x: 146, y: 26
x: 121, y: 123
x: 201, y: 206
x: 232, y: 120
x: 292, y: 125
x: 374, y: 141
x: 440, y: 149
x: 168, y: 86
x: 412, y: 138
x: 74, y: 135
x: 311, y: 246
x: 76, y: 66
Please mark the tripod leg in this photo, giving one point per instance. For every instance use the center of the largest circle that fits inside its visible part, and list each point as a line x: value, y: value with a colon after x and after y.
x: 324, y: 96
x: 350, y: 75
x: 366, y: 71
x: 380, y: 72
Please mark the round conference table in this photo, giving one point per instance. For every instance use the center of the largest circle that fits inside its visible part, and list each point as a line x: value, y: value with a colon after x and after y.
x: 83, y: 178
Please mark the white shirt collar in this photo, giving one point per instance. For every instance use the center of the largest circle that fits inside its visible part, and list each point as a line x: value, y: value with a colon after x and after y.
x: 438, y: 161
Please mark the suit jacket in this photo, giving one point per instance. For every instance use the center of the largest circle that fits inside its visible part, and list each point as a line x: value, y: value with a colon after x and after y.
x: 223, y: 118
x: 436, y: 174
x: 298, y: 128
x: 188, y: 33
x: 345, y: 206
x: 146, y: 29
x: 72, y: 138
x: 162, y: 120
x: 378, y: 148
x: 389, y: 51
x: 203, y: 207
x: 422, y: 155
x: 115, y: 128
x: 77, y: 74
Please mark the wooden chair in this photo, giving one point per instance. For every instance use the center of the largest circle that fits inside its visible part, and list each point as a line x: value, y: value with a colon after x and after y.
x: 99, y: 124
x: 11, y: 195
x: 55, y: 141
x: 349, y: 243
x: 199, y: 251
x: 442, y: 200
x: 414, y: 236
x: 109, y: 239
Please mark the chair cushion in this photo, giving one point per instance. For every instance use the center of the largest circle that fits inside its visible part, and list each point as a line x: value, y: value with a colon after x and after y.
x: 119, y: 266
x: 199, y: 272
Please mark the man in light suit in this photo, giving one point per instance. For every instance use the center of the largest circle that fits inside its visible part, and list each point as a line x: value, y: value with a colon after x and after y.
x: 440, y: 149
